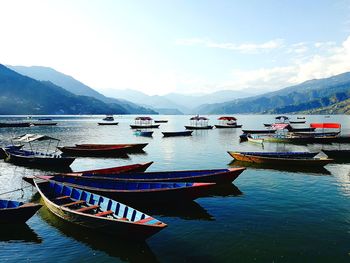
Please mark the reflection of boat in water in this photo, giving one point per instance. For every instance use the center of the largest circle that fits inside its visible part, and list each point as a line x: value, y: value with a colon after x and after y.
x: 292, y: 169
x: 19, y: 233
x: 136, y: 251
x: 226, y: 190
x: 185, y: 210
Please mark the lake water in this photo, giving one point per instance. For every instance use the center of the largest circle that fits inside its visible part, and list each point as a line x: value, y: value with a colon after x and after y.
x: 266, y: 216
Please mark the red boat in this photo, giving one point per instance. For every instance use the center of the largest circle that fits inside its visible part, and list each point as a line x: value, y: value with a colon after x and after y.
x: 104, y: 151
x: 138, y: 167
x: 134, y: 147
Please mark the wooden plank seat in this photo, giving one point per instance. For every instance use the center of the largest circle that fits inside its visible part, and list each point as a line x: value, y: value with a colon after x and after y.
x: 62, y: 197
x: 79, y: 202
x: 88, y: 208
x: 104, y: 213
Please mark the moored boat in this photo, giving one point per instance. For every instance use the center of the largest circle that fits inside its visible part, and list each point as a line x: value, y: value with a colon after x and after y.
x: 14, y: 124
x: 282, y: 154
x: 210, y: 176
x: 144, y: 123
x: 255, y: 139
x: 97, y: 212
x: 199, y: 123
x: 107, y: 123
x: 3, y: 153
x: 143, y: 133
x: 16, y: 212
x: 279, y: 161
x: 104, y: 151
x: 226, y: 122
x: 136, y: 192
x: 133, y: 147
x: 259, y: 131
x: 160, y: 121
x: 108, y: 118
x: 139, y: 167
x: 174, y: 134
x: 43, y: 123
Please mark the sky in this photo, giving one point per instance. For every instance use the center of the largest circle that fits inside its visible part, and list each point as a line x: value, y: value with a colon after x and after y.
x: 182, y: 46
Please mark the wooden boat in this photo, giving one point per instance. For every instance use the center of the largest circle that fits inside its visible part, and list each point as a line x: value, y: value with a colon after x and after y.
x: 160, y: 121
x: 134, y: 168
x: 199, y: 123
x: 316, y: 134
x: 259, y: 131
x: 143, y: 133
x: 14, y: 124
x: 38, y: 159
x: 310, y: 162
x: 283, y: 154
x: 189, y: 127
x: 16, y: 212
x: 144, y: 123
x: 136, y: 192
x: 338, y: 154
x: 180, y: 133
x: 107, y: 123
x: 207, y: 176
x: 134, y: 147
x: 97, y: 212
x: 255, y: 140
x: 35, y: 158
x: 106, y: 151
x: 227, y: 122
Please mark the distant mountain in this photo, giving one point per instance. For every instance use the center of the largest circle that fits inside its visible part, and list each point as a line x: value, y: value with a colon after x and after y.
x: 342, y: 107
x: 76, y: 87
x: 23, y: 95
x: 308, y: 95
x: 185, y: 103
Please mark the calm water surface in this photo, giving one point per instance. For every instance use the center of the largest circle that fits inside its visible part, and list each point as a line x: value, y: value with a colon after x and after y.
x: 266, y: 216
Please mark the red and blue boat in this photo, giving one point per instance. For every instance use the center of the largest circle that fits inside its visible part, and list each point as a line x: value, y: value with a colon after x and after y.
x: 16, y: 212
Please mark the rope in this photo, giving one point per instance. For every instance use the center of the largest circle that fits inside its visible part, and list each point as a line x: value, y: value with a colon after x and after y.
x: 19, y: 189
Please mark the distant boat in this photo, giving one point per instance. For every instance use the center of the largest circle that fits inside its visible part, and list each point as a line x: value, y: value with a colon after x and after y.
x: 108, y: 123
x: 160, y: 121
x: 16, y: 212
x: 143, y: 133
x: 281, y: 154
x: 97, y: 212
x: 280, y: 161
x: 297, y: 122
x: 133, y: 147
x: 175, y: 134
x: 43, y: 123
x: 86, y: 151
x: 301, y: 118
x: 227, y: 122
x: 144, y: 123
x: 108, y: 118
x: 199, y: 123
x: 14, y: 124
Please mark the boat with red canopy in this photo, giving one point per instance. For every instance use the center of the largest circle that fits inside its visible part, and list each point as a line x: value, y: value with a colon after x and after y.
x: 227, y: 122
x: 144, y: 122
x: 199, y: 123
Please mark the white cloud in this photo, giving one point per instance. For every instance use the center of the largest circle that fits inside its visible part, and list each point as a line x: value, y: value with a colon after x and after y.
x: 243, y: 48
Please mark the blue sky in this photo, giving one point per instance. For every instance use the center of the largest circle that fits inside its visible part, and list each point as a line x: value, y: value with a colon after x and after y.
x: 179, y: 46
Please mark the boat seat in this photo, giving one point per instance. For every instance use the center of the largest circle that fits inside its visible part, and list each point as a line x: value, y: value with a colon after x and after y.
x: 74, y: 203
x: 123, y: 219
x: 104, y: 213
x: 88, y: 208
x: 62, y: 197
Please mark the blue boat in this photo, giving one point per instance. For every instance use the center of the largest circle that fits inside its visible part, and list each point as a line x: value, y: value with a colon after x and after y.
x: 143, y: 133
x: 180, y: 133
x: 136, y: 192
x: 3, y: 153
x: 16, y: 212
x: 211, y: 176
x: 97, y: 212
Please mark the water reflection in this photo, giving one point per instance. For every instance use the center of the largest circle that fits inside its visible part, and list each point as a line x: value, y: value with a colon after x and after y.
x: 114, y: 247
x: 186, y: 210
x: 292, y: 169
x: 18, y: 233
x: 225, y: 190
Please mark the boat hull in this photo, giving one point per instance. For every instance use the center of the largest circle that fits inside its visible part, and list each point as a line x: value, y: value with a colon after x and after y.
x: 133, y: 147
x: 218, y: 126
x: 309, y: 162
x: 259, y: 131
x: 153, y: 126
x: 175, y: 134
x: 189, y: 127
x: 18, y: 214
x: 110, y: 151
x: 107, y: 123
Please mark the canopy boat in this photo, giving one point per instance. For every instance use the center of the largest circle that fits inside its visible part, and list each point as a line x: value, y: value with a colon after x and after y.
x: 255, y: 139
x: 36, y: 158
x: 97, y: 212
x: 160, y: 121
x: 143, y: 133
x: 107, y: 123
x: 137, y: 192
x: 199, y: 123
x: 144, y: 123
x: 259, y: 131
x: 108, y: 118
x: 14, y: 124
x: 16, y: 212
x: 208, y: 176
x: 180, y: 133
x: 102, y: 151
x: 133, y: 147
x: 281, y: 161
x: 281, y: 119
x: 227, y: 122
x: 281, y: 154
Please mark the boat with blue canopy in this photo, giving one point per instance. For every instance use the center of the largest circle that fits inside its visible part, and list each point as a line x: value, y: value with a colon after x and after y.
x: 97, y: 212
